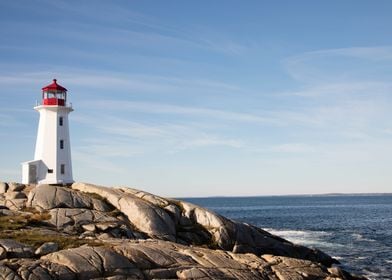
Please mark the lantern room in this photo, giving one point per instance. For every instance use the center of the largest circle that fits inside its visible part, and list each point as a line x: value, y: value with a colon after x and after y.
x: 54, y: 94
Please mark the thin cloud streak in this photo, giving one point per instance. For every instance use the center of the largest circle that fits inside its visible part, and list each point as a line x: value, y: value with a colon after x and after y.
x: 119, y: 81
x: 371, y: 53
x: 153, y: 137
x: 160, y: 108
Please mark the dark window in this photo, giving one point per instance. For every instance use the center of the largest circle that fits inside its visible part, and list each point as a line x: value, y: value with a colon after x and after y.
x: 61, y: 144
x: 61, y: 121
x: 62, y: 169
x: 50, y: 170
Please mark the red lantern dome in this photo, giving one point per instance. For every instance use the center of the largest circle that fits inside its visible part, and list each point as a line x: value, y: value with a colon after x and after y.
x: 54, y: 94
x: 54, y: 87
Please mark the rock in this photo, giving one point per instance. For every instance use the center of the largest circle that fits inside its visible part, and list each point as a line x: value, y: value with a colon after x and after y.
x: 75, y: 219
x: 197, y: 225
x: 16, y: 204
x: 228, y: 249
x: 154, y: 259
x: 3, y: 253
x: 3, y: 187
x: 87, y: 235
x: 291, y: 268
x: 336, y: 272
x: 105, y: 236
x: 47, y: 248
x: 91, y: 262
x: 15, y: 187
x: 89, y: 227
x: 14, y: 195
x: 174, y: 211
x: 7, y: 273
x: 144, y: 215
x: 7, y: 212
x: 16, y: 249
x: 153, y: 199
x: 47, y: 197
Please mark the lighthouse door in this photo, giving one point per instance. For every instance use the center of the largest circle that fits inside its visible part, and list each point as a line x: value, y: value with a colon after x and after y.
x: 32, y: 173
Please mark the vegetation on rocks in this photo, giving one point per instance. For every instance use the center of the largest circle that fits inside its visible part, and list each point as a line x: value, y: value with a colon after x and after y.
x: 31, y: 227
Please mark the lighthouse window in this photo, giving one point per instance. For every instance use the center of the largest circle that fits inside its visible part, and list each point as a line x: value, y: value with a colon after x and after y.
x: 50, y: 170
x: 61, y: 144
x: 62, y: 169
x: 61, y: 121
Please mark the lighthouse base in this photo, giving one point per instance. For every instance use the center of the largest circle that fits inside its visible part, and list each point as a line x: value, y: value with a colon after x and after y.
x: 36, y: 172
x: 30, y: 171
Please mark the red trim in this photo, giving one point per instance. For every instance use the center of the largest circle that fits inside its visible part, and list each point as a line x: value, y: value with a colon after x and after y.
x: 54, y: 87
x: 53, y: 101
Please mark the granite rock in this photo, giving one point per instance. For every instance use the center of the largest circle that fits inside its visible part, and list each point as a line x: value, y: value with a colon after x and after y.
x: 16, y: 249
x: 3, y: 187
x: 190, y: 224
x: 47, y: 248
x: 15, y: 187
x: 144, y: 215
x: 47, y: 197
x: 9, y: 195
x: 144, y: 236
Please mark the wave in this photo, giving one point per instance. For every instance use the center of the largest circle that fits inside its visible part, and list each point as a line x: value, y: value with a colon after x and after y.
x: 371, y: 275
x: 359, y: 237
x: 306, y: 238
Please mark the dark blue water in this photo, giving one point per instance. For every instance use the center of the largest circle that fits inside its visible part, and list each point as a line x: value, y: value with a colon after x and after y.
x: 355, y: 229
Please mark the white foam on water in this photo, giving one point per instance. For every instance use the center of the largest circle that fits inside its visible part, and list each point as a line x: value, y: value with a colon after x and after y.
x: 306, y: 238
x: 359, y: 237
x: 337, y: 257
x: 371, y: 275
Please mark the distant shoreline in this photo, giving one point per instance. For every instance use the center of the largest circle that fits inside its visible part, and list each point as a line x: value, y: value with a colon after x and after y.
x: 290, y: 195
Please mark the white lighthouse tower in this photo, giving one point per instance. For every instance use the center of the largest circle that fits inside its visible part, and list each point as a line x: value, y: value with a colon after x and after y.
x: 52, y: 158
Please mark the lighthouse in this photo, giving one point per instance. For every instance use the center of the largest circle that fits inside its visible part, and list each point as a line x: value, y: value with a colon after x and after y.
x: 52, y: 159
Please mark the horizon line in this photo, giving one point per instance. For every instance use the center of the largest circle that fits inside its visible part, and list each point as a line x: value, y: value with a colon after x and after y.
x: 281, y: 195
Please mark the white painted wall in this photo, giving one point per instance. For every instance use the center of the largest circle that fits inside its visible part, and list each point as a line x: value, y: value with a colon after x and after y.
x: 47, y: 146
x: 28, y: 178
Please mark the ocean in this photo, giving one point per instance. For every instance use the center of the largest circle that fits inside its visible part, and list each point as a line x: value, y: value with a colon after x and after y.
x: 354, y: 229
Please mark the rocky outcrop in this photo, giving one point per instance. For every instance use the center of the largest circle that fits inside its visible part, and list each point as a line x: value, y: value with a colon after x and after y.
x: 189, y: 224
x: 12, y: 195
x: 146, y: 216
x: 154, y: 259
x: 45, y: 197
x: 93, y: 232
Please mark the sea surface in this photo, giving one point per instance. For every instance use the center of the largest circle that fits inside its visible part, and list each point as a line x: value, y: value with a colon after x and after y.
x: 354, y: 229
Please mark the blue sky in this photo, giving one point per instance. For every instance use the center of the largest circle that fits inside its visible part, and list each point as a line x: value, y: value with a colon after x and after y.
x: 200, y: 98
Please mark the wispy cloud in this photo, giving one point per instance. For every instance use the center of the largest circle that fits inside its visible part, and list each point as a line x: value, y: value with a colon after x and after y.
x: 161, y: 108
x: 125, y: 27
x: 368, y: 53
x: 119, y: 82
x: 150, y: 137
x: 340, y: 89
x: 355, y: 64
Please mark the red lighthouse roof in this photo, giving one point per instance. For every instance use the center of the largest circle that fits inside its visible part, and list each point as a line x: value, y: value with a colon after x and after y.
x: 54, y: 87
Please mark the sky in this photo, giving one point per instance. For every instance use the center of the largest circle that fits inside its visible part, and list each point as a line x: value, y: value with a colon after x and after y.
x: 206, y: 98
